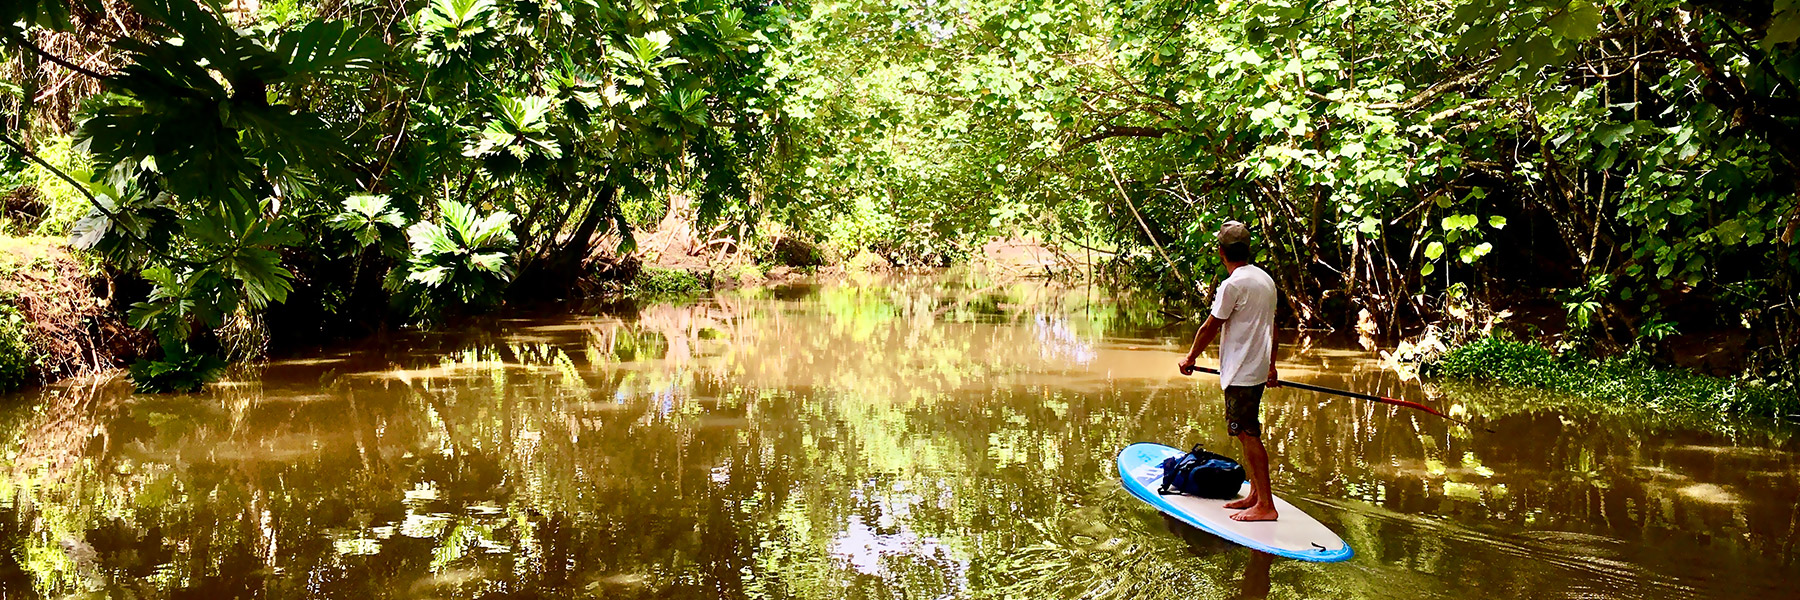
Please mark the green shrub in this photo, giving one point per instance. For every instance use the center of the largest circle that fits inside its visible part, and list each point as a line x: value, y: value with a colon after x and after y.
x: 62, y: 203
x: 748, y: 272
x: 1631, y: 379
x: 1494, y: 359
x: 16, y: 354
x: 463, y: 259
x: 179, y: 370
x: 653, y: 281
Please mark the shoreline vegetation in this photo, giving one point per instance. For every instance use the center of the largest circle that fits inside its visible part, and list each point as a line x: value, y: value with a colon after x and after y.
x: 1619, y: 173
x: 1630, y: 380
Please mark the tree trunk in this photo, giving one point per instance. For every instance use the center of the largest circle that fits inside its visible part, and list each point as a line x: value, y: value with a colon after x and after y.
x: 580, y: 243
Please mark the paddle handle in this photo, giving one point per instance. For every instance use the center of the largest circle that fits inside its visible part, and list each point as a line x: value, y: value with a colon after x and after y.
x: 1346, y: 393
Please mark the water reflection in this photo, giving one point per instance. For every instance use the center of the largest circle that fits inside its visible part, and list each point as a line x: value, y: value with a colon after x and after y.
x: 938, y: 438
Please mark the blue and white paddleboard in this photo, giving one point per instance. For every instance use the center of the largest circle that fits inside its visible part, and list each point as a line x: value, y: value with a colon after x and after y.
x: 1295, y: 535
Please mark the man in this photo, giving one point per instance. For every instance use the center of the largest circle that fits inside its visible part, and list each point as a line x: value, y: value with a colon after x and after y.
x: 1243, y: 320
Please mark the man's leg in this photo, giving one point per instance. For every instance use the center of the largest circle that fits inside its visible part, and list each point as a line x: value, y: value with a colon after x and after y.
x: 1262, y: 500
x: 1243, y: 407
x: 1243, y: 414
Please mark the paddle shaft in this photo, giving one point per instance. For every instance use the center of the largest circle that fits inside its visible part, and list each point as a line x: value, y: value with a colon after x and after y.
x: 1357, y: 395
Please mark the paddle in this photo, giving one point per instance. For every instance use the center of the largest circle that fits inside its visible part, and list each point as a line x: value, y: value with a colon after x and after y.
x: 1360, y: 396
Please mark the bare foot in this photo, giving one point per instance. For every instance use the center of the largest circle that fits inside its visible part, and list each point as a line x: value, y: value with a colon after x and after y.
x: 1256, y: 513
x: 1242, y: 503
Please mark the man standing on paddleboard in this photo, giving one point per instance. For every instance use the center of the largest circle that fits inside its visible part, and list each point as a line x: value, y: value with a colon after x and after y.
x: 1243, y: 320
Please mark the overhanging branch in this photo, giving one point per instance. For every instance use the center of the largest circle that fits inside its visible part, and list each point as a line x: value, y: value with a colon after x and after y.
x: 1120, y: 131
x: 17, y: 38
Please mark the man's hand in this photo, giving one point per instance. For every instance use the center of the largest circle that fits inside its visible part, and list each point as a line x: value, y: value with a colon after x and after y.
x: 1274, y: 378
x: 1187, y: 366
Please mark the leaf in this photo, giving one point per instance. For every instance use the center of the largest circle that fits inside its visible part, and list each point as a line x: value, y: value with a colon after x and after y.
x: 1435, y: 250
x: 429, y: 238
x: 1538, y: 52
x: 265, y: 280
x: 1579, y: 20
x: 431, y: 277
x: 87, y: 232
x: 1459, y: 222
x: 1730, y: 232
x: 326, y: 48
x: 1784, y: 26
x: 1497, y: 222
x: 367, y: 205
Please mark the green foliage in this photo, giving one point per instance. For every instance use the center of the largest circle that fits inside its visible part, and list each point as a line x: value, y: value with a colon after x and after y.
x: 866, y: 262
x: 219, y: 148
x: 1644, y: 144
x: 178, y: 370
x: 1655, y: 329
x: 1379, y: 163
x: 1585, y: 304
x: 17, y: 357
x: 1630, y: 379
x: 463, y: 259
x: 518, y: 136
x: 60, y: 203
x: 655, y: 282
x: 369, y: 219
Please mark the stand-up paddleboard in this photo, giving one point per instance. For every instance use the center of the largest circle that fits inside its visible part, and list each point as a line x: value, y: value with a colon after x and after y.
x: 1294, y: 535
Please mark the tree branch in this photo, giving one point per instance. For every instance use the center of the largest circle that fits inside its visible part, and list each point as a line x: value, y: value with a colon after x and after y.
x: 1120, y: 131
x: 1422, y: 98
x: 79, y: 187
x: 95, y: 202
x: 19, y: 39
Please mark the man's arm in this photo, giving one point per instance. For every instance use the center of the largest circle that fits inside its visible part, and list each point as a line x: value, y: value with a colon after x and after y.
x: 1203, y: 338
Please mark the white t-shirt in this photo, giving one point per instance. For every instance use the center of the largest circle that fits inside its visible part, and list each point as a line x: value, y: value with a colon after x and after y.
x: 1246, y: 303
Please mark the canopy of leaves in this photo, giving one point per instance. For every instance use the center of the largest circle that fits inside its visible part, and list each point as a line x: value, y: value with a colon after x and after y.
x: 1382, y: 151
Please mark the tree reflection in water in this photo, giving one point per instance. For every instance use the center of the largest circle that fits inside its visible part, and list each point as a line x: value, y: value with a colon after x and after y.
x: 923, y: 437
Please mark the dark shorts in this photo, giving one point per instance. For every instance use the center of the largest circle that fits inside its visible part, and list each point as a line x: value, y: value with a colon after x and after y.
x: 1243, y: 410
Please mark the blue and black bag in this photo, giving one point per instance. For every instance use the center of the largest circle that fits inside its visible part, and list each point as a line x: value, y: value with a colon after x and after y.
x: 1202, y: 474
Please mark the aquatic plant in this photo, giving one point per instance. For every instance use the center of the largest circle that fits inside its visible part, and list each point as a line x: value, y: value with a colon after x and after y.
x: 1629, y: 378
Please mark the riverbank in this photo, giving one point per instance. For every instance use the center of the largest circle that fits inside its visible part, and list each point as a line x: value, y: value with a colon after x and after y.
x: 57, y: 318
x: 1626, y: 379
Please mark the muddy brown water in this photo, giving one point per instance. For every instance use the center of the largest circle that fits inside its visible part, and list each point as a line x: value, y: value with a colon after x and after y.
x: 901, y: 438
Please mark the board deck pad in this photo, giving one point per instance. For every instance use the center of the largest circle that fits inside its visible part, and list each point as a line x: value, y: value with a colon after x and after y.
x: 1294, y: 535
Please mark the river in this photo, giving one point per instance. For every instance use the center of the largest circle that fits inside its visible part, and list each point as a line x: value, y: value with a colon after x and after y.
x: 942, y: 437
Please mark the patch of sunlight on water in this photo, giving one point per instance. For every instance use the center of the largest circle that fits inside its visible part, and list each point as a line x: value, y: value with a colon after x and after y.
x: 940, y: 437
x: 1709, y: 493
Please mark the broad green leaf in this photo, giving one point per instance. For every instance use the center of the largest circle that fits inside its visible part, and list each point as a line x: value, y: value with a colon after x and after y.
x: 1784, y: 26
x: 1579, y: 20
x: 1730, y: 232
x: 326, y: 48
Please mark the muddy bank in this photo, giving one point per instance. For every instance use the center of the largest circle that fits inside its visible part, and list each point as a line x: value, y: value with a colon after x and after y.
x: 66, y: 316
